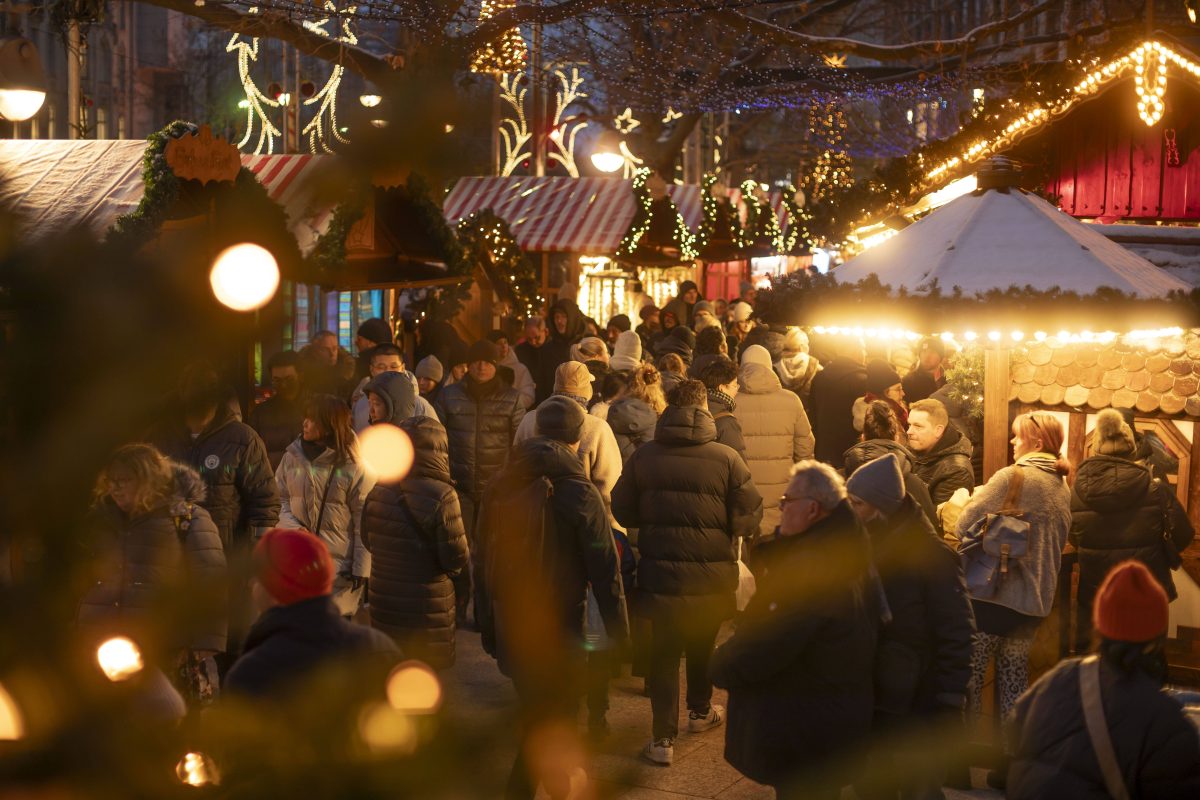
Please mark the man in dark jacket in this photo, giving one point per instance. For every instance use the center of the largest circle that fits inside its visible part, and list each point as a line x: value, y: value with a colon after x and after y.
x: 923, y: 660
x: 541, y: 356
x: 300, y: 629
x: 720, y: 377
x: 684, y: 303
x: 799, y: 668
x: 831, y: 404
x: 943, y: 454
x: 1119, y: 511
x: 533, y: 571
x: 371, y: 333
x: 279, y: 418
x: 929, y: 375
x: 690, y: 499
x: 1155, y: 750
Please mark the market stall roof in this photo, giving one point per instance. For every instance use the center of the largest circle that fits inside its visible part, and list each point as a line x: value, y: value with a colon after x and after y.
x: 55, y: 185
x: 995, y: 238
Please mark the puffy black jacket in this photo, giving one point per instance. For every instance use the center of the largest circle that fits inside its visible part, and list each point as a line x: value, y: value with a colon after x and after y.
x: 277, y: 422
x: 481, y: 421
x: 923, y: 661
x: 140, y: 560
x: 690, y: 498
x: 632, y: 421
x: 830, y: 405
x: 1117, y: 513
x: 968, y: 426
x: 947, y: 466
x: 1155, y: 744
x: 799, y: 667
x: 414, y: 530
x: 872, y: 449
x: 232, y: 460
x: 287, y: 643
x: 546, y: 589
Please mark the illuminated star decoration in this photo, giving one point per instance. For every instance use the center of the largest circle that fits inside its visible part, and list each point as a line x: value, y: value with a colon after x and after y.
x: 835, y: 60
x: 625, y: 123
x: 671, y: 116
x: 327, y: 97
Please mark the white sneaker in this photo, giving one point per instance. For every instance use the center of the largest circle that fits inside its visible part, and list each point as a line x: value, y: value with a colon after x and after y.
x: 702, y: 722
x: 660, y: 752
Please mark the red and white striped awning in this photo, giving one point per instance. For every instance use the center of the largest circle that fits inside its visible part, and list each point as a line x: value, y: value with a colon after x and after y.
x: 285, y: 179
x: 689, y: 201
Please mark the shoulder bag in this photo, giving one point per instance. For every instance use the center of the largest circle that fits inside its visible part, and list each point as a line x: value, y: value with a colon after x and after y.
x: 1097, y: 727
x: 989, y: 546
x: 1174, y: 560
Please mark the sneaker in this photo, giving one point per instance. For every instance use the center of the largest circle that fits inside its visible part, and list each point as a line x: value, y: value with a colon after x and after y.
x: 698, y: 722
x: 660, y: 752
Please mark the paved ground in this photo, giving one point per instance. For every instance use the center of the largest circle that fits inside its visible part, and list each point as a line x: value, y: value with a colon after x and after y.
x: 478, y: 694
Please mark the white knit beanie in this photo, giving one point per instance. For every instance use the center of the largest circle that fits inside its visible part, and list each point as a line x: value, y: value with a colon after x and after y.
x: 627, y: 352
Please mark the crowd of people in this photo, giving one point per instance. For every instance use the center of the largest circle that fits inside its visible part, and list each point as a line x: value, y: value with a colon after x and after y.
x: 583, y: 496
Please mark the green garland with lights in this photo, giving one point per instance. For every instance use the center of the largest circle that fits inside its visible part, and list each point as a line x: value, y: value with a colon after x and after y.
x: 715, y: 225
x: 761, y: 225
x: 139, y: 226
x: 798, y: 238
x: 964, y: 381
x: 485, y: 232
x: 681, y: 236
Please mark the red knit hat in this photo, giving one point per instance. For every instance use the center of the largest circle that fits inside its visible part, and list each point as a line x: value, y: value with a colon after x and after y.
x: 1131, y: 605
x: 293, y: 566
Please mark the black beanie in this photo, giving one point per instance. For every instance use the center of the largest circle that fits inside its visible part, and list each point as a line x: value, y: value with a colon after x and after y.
x: 685, y: 335
x: 560, y: 418
x: 375, y: 330
x: 880, y: 376
x: 483, y: 350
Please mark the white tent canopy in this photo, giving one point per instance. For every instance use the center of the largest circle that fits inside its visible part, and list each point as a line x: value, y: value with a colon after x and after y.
x: 994, y: 239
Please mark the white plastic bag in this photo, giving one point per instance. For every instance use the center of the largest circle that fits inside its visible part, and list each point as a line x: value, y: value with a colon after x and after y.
x: 746, y: 586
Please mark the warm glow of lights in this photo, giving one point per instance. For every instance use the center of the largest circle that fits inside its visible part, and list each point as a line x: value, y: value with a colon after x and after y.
x: 383, y: 728
x: 1017, y: 336
x: 607, y: 161
x: 244, y: 277
x: 414, y: 689
x: 197, y: 769
x: 119, y: 658
x: 970, y: 336
x: 952, y: 191
x: 18, y: 105
x: 449, y: 128
x: 506, y: 54
x: 369, y: 100
x: 386, y: 451
x: 379, y: 123
x: 1039, y: 336
x: 12, y: 725
x: 994, y: 336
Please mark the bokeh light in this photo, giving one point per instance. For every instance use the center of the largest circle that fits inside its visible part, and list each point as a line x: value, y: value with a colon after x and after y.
x: 12, y: 726
x: 197, y: 769
x: 386, y: 451
x: 244, y: 277
x: 119, y: 658
x: 414, y: 688
x: 383, y: 728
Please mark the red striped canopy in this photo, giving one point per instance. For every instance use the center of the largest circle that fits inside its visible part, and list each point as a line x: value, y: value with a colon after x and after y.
x: 284, y: 177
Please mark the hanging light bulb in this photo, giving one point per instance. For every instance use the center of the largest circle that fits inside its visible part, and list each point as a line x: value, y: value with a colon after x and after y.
x: 245, y: 277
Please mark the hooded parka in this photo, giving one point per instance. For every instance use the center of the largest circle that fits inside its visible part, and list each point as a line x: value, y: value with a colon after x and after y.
x: 414, y: 530
x: 632, y: 421
x: 140, y: 558
x: 690, y: 498
x: 777, y: 435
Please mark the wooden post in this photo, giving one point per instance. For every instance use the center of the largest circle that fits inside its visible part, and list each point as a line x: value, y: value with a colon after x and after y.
x: 996, y: 385
x: 1077, y: 437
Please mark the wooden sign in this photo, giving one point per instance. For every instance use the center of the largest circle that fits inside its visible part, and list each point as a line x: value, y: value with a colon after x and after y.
x: 203, y: 157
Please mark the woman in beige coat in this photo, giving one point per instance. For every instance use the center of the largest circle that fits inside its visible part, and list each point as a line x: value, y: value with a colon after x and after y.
x: 775, y: 427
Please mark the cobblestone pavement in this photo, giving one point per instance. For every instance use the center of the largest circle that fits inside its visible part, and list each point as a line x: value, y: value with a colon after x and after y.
x: 478, y: 694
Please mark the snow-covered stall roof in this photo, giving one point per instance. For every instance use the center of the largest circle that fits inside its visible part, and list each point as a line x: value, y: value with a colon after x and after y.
x: 997, y: 238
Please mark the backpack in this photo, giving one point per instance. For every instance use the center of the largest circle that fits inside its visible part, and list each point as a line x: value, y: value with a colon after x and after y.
x: 990, y: 545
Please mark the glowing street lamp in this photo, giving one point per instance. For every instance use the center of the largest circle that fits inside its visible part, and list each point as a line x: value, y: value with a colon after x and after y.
x: 369, y: 100
x: 22, y: 80
x: 607, y: 156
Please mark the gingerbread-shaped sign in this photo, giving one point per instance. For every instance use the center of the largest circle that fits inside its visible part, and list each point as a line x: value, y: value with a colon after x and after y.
x: 203, y: 157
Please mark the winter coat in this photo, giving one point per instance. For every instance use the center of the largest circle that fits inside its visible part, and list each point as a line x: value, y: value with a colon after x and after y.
x: 578, y: 550
x: 598, y: 452
x: 1045, y: 501
x: 669, y: 381
x: 232, y: 461
x: 522, y: 379
x: 690, y: 498
x: 777, y: 435
x: 1117, y: 513
x: 1155, y: 745
x: 288, y: 643
x: 360, y: 405
x: 947, y: 466
x: 414, y: 530
x: 796, y: 373
x: 969, y: 427
x: 923, y: 660
x: 682, y: 310
x: 914, y: 487
x: 481, y: 421
x: 799, y: 667
x: 277, y: 422
x: 834, y: 390
x: 141, y: 559
x: 542, y: 362
x: 632, y: 421
x: 302, y: 485
x: 729, y: 429
x: 919, y: 385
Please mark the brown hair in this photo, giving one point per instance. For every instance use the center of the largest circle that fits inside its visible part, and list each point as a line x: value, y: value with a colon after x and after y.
x: 935, y: 410
x: 689, y: 393
x: 332, y: 415
x: 1038, y: 425
x: 671, y: 362
x: 880, y: 422
x: 152, y: 474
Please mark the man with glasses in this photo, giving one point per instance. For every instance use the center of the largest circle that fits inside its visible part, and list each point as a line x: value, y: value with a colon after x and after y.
x: 279, y: 418
x: 799, y: 668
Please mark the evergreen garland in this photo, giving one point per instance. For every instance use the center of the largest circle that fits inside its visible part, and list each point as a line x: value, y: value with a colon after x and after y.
x: 139, y: 226
x: 329, y: 253
x: 964, y: 381
x: 761, y: 225
x: 682, y: 237
x: 798, y: 239
x: 715, y: 225
x: 485, y: 232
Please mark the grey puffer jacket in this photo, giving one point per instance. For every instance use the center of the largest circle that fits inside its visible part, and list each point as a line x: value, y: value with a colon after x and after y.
x: 414, y: 530
x: 141, y: 560
x: 632, y: 421
x: 302, y: 485
x: 690, y: 498
x: 1046, y: 504
x: 947, y: 466
x: 777, y: 435
x: 481, y: 421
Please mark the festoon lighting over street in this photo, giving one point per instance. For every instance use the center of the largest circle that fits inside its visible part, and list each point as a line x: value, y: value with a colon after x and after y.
x: 244, y: 277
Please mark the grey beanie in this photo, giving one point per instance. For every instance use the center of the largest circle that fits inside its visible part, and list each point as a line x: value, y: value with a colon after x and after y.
x: 560, y: 418
x: 880, y: 483
x: 430, y: 368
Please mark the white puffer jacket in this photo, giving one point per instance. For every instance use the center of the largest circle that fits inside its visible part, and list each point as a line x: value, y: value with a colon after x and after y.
x: 302, y: 484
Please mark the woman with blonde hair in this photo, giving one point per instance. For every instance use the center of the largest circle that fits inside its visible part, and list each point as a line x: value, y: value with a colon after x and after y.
x: 154, y: 545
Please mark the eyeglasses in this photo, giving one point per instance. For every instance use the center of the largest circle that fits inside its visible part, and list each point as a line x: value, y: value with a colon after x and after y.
x: 785, y: 499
